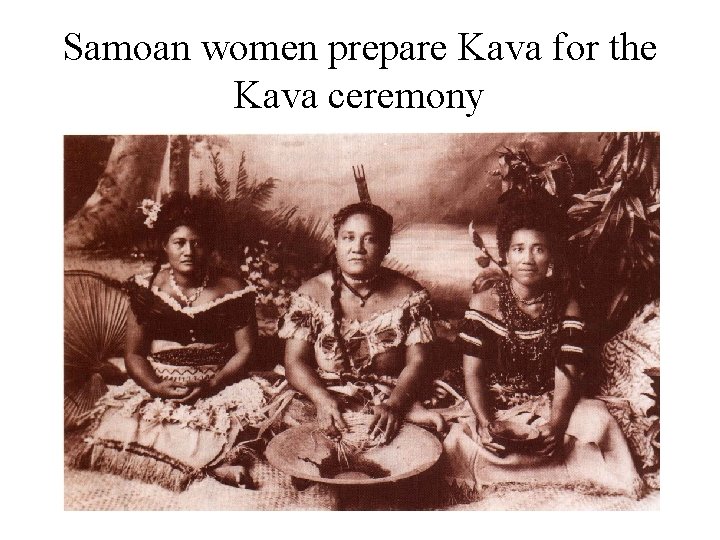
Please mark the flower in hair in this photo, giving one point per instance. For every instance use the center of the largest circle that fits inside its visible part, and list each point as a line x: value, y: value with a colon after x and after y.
x: 151, y: 209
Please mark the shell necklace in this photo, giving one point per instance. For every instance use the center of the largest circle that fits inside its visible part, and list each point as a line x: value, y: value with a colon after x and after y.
x: 187, y: 299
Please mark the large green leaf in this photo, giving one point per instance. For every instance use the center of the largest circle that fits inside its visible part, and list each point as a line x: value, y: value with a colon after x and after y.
x: 636, y: 206
x: 599, y: 227
x: 617, y: 217
x: 583, y: 233
x: 618, y: 299
x: 582, y: 207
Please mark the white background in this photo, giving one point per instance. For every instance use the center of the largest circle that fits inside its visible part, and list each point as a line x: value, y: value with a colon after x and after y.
x: 46, y: 97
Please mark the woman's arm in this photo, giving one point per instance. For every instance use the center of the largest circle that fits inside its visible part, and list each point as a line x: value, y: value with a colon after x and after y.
x: 411, y: 376
x: 299, y: 357
x: 566, y: 393
x: 137, y: 347
x: 389, y: 414
x: 476, y: 389
x: 232, y: 371
x: 565, y: 397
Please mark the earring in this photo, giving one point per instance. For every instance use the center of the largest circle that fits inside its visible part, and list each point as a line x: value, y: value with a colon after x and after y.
x: 549, y: 272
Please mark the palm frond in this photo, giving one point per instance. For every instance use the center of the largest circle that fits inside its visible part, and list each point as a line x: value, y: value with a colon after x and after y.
x: 260, y: 193
x: 241, y: 181
x: 222, y: 185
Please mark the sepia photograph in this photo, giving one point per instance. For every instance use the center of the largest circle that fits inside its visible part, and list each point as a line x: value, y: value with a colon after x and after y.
x: 416, y: 321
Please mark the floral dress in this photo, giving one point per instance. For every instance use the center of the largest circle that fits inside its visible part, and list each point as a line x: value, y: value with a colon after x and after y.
x: 354, y: 378
x: 138, y: 436
x: 522, y: 354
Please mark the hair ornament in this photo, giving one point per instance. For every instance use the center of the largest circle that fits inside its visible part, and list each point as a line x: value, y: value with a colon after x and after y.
x: 150, y: 209
x: 361, y: 183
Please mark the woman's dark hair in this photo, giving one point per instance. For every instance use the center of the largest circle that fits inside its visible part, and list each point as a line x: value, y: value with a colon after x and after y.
x: 384, y: 223
x: 536, y: 210
x: 382, y: 220
x: 177, y: 209
x: 199, y: 212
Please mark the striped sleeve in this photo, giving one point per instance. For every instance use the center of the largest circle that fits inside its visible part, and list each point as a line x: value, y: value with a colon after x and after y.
x: 475, y: 338
x: 571, y: 342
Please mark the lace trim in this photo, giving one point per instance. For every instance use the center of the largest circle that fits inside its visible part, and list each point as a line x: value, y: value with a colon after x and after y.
x: 143, y: 281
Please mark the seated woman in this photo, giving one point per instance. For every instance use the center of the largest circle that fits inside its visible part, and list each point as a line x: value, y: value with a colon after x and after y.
x: 523, y: 363
x: 362, y: 330
x: 190, y: 334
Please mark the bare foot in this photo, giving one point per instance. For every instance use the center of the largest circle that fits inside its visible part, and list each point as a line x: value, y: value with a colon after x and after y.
x: 233, y: 475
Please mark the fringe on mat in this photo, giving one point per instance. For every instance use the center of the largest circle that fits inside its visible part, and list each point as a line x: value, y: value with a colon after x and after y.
x: 134, y: 462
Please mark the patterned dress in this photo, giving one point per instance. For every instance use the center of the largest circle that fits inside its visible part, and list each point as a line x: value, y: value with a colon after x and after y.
x: 139, y: 436
x: 354, y: 378
x: 522, y: 354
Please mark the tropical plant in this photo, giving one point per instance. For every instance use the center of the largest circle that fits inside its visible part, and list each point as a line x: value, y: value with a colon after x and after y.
x: 518, y: 172
x: 274, y: 249
x: 222, y: 189
x: 616, y: 228
x: 242, y: 177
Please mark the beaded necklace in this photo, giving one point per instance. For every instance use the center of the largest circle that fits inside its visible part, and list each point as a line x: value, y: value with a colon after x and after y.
x: 187, y: 299
x: 529, y: 357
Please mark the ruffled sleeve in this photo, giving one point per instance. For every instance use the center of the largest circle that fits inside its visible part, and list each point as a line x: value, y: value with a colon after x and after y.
x: 476, y: 338
x: 420, y: 314
x: 142, y: 300
x: 301, y: 320
x: 239, y: 310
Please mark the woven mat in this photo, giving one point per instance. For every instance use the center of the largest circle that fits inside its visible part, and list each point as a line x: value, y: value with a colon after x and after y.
x: 550, y: 498
x: 88, y: 490
x: 85, y: 490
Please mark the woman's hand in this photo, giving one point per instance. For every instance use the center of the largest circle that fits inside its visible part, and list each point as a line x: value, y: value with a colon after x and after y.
x: 169, y: 390
x: 199, y: 390
x: 550, y: 441
x: 385, y: 423
x: 488, y: 442
x: 329, y: 416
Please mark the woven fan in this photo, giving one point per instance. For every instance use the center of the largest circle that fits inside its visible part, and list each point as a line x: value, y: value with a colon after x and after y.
x: 95, y: 316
